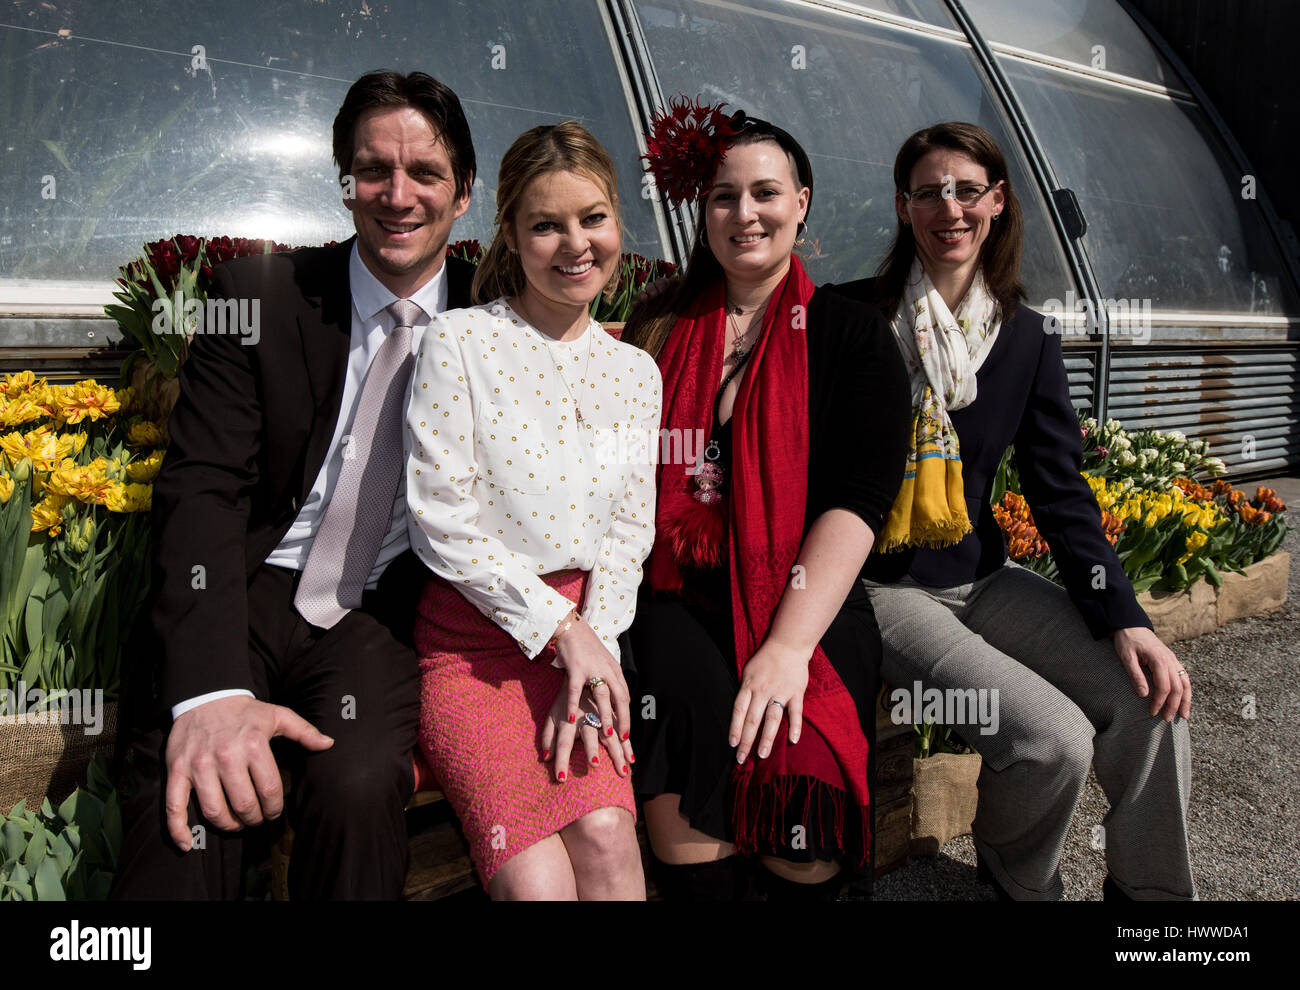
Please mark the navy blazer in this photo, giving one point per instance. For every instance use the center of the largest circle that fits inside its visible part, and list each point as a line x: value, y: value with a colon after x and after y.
x: 1023, y: 398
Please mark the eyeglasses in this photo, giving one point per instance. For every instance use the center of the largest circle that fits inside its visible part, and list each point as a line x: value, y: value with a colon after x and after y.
x: 966, y: 194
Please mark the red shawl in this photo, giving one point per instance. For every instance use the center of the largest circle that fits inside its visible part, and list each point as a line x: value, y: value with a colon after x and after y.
x: 766, y: 496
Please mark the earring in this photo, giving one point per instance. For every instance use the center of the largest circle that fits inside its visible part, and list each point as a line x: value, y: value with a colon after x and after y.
x: 996, y: 215
x: 801, y: 234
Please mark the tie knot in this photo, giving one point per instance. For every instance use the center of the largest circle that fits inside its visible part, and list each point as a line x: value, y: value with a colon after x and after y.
x: 404, y: 313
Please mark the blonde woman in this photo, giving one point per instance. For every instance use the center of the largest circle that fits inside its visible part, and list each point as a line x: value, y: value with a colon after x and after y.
x: 532, y: 502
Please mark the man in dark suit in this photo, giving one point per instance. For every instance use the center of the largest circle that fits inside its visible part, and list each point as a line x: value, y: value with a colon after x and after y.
x: 284, y: 586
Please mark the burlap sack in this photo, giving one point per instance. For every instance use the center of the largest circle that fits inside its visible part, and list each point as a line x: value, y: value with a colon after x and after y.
x: 943, y: 799
x: 1179, y: 615
x: 48, y: 760
x: 1260, y: 590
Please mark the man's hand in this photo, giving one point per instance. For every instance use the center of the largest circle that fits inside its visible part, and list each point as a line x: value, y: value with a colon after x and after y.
x: 1139, y: 647
x: 221, y: 750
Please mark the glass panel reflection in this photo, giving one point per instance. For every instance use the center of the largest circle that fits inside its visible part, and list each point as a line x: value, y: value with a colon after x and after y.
x: 144, y: 139
x: 862, y: 90
x: 1093, y: 33
x: 1163, y: 201
x: 928, y: 11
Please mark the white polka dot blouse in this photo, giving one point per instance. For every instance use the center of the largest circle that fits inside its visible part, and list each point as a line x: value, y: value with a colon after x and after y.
x: 526, y: 456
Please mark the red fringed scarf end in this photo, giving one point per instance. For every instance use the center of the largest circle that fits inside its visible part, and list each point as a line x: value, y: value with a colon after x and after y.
x: 763, y: 811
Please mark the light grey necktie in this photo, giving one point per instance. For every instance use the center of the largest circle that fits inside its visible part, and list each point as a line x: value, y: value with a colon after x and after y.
x: 347, y: 542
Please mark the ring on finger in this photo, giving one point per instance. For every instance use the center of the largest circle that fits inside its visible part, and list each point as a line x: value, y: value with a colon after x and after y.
x: 777, y: 703
x: 1182, y: 672
x: 595, y: 682
x: 591, y: 719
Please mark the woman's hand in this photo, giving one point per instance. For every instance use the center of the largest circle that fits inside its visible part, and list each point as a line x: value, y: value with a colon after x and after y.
x: 1139, y: 647
x: 772, y: 685
x: 584, y: 657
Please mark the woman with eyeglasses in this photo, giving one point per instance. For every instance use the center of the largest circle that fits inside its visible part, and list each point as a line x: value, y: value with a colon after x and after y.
x: 1078, y: 676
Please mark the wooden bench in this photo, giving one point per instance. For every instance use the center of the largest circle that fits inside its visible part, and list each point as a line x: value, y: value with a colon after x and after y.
x: 440, y: 865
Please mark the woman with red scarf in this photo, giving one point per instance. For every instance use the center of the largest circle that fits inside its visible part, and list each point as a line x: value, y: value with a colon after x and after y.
x: 785, y: 415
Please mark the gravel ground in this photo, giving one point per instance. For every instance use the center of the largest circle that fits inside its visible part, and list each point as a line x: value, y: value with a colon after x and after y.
x: 1245, y: 788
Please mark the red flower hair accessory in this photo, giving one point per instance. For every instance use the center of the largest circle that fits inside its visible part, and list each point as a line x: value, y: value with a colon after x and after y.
x: 687, y: 143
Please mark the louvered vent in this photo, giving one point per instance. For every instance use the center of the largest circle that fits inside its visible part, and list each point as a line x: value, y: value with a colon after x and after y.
x: 1242, y: 400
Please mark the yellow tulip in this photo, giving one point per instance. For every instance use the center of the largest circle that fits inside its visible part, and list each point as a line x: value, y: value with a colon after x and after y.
x: 128, y: 498
x: 16, y: 412
x: 16, y: 384
x: 87, y: 482
x: 88, y: 400
x: 70, y: 444
x: 6, y: 488
x: 14, y: 447
x: 146, y: 434
x: 47, y: 514
x: 146, y: 468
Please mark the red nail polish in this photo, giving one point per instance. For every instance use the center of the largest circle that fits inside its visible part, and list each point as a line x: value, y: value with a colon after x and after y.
x: 625, y: 735
x: 572, y: 719
x: 632, y: 759
x: 596, y: 758
x: 625, y: 768
x: 560, y: 775
x: 546, y: 754
x: 609, y: 732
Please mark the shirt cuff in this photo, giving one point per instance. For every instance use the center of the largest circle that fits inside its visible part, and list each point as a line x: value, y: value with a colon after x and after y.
x: 533, y: 631
x: 191, y: 703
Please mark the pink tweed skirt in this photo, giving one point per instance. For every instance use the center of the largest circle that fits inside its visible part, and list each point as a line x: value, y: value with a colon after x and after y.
x: 483, y: 703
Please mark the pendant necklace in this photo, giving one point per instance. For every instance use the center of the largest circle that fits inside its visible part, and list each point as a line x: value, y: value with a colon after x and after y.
x: 563, y: 381
x: 739, y: 350
x: 582, y: 421
x: 709, y: 474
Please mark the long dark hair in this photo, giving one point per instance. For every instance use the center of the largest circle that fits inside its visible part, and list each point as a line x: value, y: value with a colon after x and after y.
x: 650, y: 325
x: 439, y: 105
x: 1000, y: 253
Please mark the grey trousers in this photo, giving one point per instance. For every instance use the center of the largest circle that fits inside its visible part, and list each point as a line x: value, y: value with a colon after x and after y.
x: 1064, y: 702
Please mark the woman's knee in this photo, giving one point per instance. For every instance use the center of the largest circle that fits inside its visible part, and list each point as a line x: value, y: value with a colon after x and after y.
x: 1067, y: 745
x: 606, y: 834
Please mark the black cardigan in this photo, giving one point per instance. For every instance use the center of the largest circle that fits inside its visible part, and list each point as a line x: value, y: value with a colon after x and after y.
x: 859, y: 411
x: 1023, y: 398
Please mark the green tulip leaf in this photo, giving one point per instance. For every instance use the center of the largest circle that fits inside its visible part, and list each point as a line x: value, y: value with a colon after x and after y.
x: 49, y: 882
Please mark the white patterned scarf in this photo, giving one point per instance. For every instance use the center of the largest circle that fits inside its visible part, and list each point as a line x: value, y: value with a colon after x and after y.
x: 943, y: 351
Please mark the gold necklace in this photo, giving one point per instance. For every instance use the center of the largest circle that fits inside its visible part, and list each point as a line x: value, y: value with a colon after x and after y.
x: 563, y: 381
x: 517, y: 306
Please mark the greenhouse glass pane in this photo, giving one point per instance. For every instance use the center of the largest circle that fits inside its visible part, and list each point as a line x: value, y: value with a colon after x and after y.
x: 862, y: 90
x: 1092, y: 33
x: 927, y: 11
x: 1163, y: 201
x: 141, y: 144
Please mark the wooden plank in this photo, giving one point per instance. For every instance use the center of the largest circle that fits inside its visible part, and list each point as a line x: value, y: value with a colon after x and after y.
x: 421, y: 798
x: 893, y: 833
x: 440, y: 865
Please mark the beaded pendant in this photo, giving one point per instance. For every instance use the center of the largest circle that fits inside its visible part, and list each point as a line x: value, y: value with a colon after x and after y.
x: 709, y: 476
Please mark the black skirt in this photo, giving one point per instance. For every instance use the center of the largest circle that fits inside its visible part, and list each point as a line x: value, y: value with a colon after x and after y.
x: 682, y: 669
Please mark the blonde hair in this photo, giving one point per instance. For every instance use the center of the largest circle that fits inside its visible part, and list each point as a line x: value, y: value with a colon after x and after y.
x: 566, y: 147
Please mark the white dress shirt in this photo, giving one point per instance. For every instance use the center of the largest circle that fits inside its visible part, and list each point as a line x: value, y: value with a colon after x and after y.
x: 503, y: 482
x: 370, y: 325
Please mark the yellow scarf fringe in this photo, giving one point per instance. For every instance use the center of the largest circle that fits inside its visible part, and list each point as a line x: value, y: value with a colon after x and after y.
x: 930, y: 510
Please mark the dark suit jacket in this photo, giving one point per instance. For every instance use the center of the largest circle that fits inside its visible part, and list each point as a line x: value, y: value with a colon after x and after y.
x: 249, y: 435
x: 1023, y: 398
